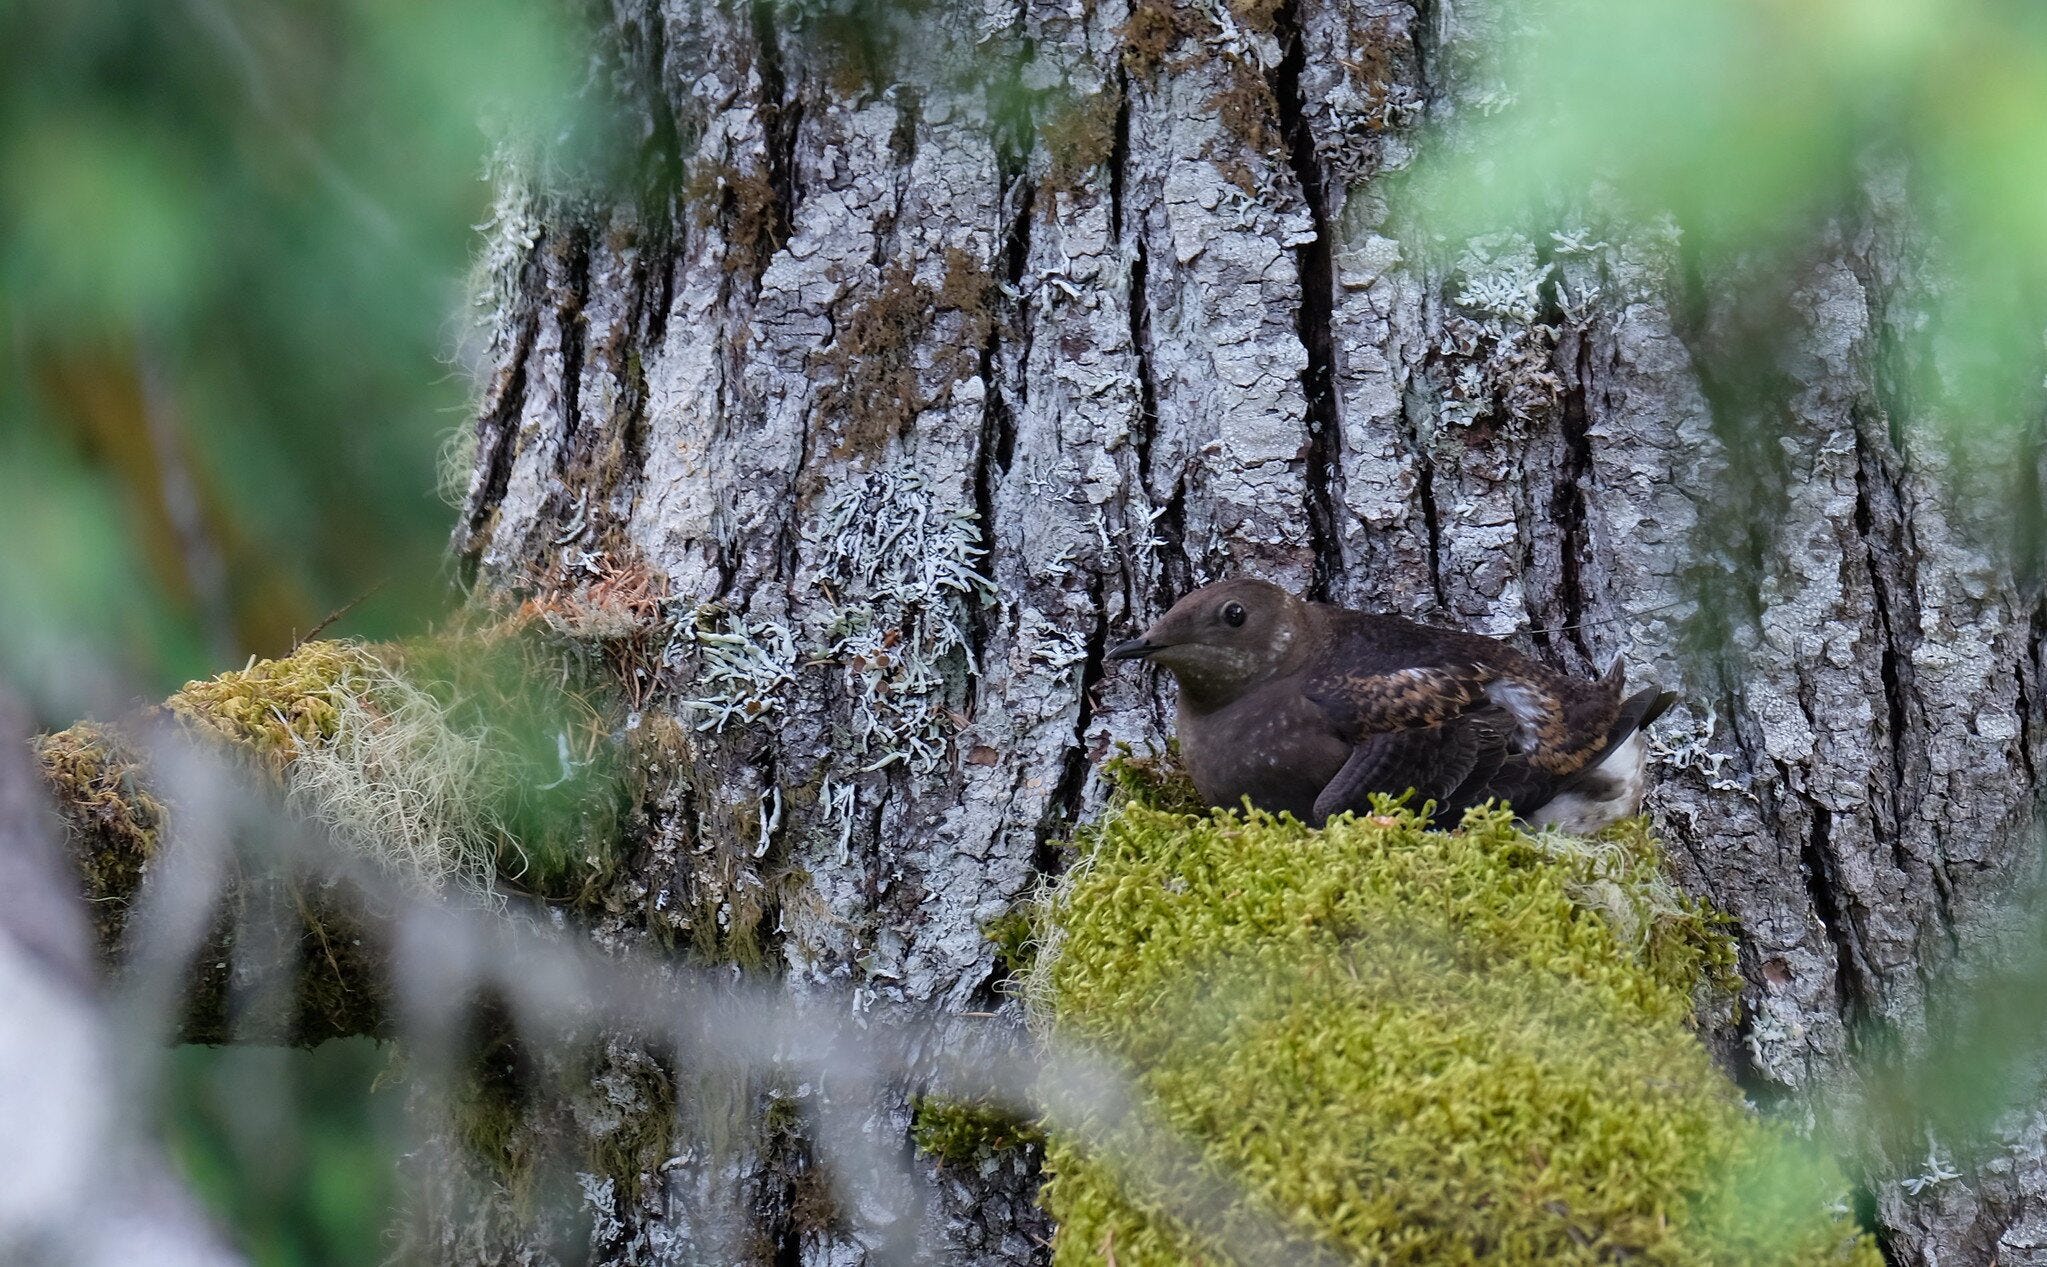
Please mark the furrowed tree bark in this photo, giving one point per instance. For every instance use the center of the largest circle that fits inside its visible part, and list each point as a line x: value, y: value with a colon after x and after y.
x: 914, y: 403
x: 1170, y: 332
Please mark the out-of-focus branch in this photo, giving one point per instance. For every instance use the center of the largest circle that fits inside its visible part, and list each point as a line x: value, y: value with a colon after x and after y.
x: 457, y: 766
x: 116, y: 818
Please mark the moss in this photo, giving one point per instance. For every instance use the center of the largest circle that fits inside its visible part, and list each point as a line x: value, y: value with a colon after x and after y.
x: 275, y: 707
x: 631, y: 1148
x: 1079, y: 137
x: 1015, y: 937
x: 488, y: 1111
x: 965, y: 1132
x: 1159, y: 780
x: 745, y: 200
x: 877, y: 384
x: 471, y: 758
x: 1152, y: 32
x: 113, y: 821
x: 115, y: 826
x: 1373, y: 62
x: 1248, y: 109
x: 1260, y: 16
x: 1421, y: 1046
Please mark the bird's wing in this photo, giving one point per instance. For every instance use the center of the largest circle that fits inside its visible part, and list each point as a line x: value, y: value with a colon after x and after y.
x: 1430, y: 761
x: 1361, y: 704
x: 1437, y: 730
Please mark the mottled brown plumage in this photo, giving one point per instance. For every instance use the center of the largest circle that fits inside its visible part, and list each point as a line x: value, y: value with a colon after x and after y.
x: 1309, y: 708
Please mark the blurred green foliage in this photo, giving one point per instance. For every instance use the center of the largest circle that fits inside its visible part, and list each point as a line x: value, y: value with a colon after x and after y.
x: 1752, y: 125
x: 234, y: 238
x: 291, y: 1149
x: 233, y: 241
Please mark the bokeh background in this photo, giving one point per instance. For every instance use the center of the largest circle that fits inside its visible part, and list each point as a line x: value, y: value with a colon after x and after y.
x: 234, y: 241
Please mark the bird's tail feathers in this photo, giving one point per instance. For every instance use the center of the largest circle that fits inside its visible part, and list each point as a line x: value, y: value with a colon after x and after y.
x: 1636, y: 712
x: 1654, y: 703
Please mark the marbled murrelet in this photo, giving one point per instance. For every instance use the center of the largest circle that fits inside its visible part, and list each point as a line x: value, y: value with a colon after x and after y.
x: 1310, y: 708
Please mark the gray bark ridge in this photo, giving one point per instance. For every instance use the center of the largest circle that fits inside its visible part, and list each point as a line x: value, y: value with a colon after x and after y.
x: 916, y: 408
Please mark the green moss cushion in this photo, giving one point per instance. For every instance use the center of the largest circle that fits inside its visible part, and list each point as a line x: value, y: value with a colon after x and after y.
x: 1413, y: 1046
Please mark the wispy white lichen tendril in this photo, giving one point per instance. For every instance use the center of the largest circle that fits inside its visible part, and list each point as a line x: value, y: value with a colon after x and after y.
x: 901, y: 565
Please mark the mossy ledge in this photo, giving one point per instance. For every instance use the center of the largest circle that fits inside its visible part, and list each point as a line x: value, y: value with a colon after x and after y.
x: 1411, y: 1046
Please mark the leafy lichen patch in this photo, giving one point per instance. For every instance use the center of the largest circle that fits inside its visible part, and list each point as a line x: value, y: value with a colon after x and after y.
x: 1417, y: 1046
x: 902, y: 566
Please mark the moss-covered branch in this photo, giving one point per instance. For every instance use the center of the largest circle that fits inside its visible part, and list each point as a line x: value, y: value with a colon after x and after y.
x: 458, y: 768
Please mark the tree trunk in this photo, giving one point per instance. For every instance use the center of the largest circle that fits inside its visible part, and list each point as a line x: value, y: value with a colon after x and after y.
x: 914, y: 402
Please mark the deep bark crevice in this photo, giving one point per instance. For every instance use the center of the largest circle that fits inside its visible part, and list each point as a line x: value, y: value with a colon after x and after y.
x: 1119, y: 153
x: 2025, y: 713
x: 1314, y: 261
x: 498, y: 443
x: 1887, y: 553
x: 1852, y: 977
x: 997, y: 416
x: 1567, y: 506
x: 1741, y: 384
x: 2028, y: 673
x: 1425, y: 495
x: 1168, y: 527
x: 1062, y: 808
x: 781, y: 117
x: 569, y: 312
x: 661, y: 154
x: 634, y: 406
x: 997, y: 443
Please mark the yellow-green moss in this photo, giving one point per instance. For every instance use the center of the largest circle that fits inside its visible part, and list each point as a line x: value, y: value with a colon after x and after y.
x: 963, y: 1132
x: 273, y: 707
x: 114, y: 823
x: 1417, y: 1046
x: 1015, y: 938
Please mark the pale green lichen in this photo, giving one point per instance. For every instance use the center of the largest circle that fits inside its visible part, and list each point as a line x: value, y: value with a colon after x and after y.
x: 1412, y: 1045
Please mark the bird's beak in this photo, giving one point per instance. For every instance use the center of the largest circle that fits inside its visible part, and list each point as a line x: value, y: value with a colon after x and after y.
x: 1135, y: 649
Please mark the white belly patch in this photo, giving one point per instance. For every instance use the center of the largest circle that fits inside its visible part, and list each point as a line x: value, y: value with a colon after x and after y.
x: 1609, y: 792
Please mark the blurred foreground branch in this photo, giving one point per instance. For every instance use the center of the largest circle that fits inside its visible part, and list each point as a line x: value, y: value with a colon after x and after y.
x: 59, y: 1072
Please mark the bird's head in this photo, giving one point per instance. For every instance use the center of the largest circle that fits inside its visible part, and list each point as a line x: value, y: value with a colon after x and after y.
x: 1223, y: 639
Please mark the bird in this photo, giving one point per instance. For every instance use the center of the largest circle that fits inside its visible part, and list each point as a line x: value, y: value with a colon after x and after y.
x: 1309, y: 709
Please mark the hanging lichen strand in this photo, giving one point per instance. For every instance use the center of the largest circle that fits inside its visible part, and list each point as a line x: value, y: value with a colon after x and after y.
x: 1416, y: 1046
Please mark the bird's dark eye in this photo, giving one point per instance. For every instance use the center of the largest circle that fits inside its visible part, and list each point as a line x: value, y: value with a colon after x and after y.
x: 1233, y: 615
